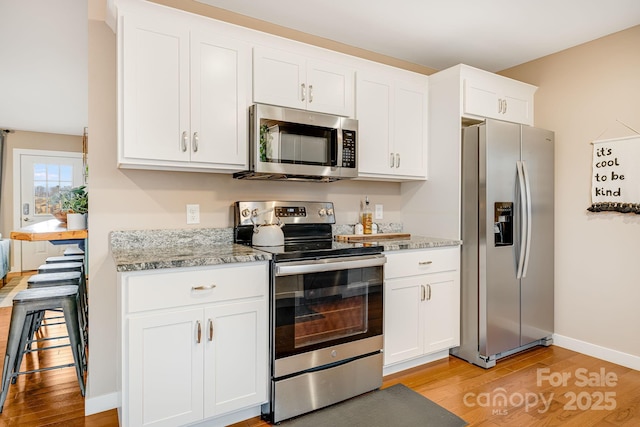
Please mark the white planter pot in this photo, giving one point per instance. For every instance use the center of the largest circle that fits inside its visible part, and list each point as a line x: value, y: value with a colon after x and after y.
x: 76, y: 221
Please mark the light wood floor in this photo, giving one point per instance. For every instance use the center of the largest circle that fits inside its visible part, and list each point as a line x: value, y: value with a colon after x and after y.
x: 53, y: 398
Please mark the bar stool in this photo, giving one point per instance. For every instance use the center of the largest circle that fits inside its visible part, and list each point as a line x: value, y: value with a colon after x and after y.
x: 73, y: 250
x: 67, y: 278
x: 64, y: 258
x: 25, y: 305
x: 60, y: 267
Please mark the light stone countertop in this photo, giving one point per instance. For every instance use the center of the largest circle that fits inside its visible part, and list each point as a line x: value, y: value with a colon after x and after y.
x: 139, y: 250
x: 152, y: 249
x: 418, y: 242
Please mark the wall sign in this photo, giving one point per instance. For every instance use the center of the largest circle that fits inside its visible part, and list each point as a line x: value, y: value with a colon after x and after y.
x: 615, y: 183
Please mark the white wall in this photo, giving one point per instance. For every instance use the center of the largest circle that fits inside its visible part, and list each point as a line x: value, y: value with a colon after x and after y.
x: 582, y: 93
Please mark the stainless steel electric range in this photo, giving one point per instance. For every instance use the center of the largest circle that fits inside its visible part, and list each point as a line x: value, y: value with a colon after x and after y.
x: 325, y: 308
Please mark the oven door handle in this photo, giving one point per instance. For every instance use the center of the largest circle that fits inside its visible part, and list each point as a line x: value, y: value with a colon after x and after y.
x: 328, y: 264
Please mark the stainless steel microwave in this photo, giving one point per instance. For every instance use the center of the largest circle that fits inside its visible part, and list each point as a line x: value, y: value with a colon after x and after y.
x: 286, y: 143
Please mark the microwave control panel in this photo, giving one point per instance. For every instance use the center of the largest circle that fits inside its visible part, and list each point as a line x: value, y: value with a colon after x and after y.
x: 348, y: 149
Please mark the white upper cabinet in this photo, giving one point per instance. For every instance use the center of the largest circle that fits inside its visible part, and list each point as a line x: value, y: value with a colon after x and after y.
x: 492, y: 96
x: 391, y: 108
x: 184, y: 93
x: 287, y: 79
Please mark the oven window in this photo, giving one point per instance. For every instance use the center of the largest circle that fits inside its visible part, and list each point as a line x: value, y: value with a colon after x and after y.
x: 283, y: 142
x: 320, y: 309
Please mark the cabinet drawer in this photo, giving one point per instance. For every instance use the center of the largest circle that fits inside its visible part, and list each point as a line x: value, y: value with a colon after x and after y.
x: 411, y: 263
x: 178, y: 287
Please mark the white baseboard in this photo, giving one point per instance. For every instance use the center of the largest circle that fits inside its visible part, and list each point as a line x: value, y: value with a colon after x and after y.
x: 401, y: 366
x: 594, y: 350
x: 102, y: 403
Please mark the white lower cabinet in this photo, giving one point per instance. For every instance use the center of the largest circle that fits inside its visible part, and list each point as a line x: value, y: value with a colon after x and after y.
x: 421, y: 303
x: 195, y: 343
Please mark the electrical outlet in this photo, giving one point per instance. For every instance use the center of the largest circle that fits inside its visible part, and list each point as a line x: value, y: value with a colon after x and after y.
x: 378, y: 214
x: 193, y: 214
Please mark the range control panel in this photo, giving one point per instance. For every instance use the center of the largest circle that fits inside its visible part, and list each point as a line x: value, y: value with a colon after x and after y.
x: 294, y: 212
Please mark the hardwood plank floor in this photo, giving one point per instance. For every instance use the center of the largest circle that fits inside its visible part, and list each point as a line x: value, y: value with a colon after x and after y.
x: 526, y: 389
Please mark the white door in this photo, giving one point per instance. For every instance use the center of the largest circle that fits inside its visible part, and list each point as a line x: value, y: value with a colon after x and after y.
x: 43, y: 174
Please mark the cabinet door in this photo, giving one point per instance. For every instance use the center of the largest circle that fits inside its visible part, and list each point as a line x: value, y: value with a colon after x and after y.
x: 410, y: 124
x: 279, y: 78
x: 442, y: 312
x: 164, y: 369
x: 330, y: 88
x: 373, y: 111
x: 154, y: 88
x: 403, y: 330
x: 220, y: 79
x: 236, y: 356
x: 498, y: 97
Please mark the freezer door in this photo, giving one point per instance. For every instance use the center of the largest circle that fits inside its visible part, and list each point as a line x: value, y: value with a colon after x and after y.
x: 499, y: 289
x: 537, y: 282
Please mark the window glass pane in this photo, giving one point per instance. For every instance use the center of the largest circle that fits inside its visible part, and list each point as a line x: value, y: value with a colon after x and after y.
x: 53, y: 172
x: 39, y: 172
x: 48, y: 181
x: 66, y: 173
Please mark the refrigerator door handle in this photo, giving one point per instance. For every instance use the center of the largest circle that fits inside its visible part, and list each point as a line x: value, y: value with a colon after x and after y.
x: 523, y: 219
x: 527, y: 184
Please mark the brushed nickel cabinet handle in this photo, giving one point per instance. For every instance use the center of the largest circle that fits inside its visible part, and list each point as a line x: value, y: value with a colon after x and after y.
x: 425, y: 262
x: 184, y: 141
x: 303, y: 91
x: 199, y: 332
x: 310, y: 93
x: 203, y: 287
x: 392, y: 160
x: 196, y: 139
x: 397, y: 160
x: 422, y: 293
x: 429, y: 293
x: 210, y: 330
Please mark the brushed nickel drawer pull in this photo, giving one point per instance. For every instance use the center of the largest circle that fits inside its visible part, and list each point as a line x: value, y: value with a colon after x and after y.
x: 203, y: 288
x: 425, y: 262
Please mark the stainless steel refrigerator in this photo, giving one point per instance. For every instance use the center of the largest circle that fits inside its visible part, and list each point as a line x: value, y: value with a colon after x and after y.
x: 507, y: 233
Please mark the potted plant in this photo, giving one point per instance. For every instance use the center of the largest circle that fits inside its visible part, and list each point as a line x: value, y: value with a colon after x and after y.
x: 75, y: 203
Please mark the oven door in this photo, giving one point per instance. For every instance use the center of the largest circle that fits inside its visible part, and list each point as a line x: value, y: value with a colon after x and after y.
x: 325, y: 303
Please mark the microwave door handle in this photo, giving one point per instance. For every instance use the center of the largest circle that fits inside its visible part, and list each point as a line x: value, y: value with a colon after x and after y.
x: 332, y: 264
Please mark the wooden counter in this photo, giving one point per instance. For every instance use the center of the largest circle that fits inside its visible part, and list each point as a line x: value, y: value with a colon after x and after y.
x: 51, y: 230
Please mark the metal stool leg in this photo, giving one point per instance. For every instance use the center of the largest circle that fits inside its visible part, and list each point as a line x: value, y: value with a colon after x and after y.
x: 18, y: 318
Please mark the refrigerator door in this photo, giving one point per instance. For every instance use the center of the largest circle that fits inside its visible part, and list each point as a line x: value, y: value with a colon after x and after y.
x: 537, y: 282
x: 499, y: 238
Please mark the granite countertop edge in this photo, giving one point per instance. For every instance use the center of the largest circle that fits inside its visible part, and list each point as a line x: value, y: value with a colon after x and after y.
x: 159, y: 249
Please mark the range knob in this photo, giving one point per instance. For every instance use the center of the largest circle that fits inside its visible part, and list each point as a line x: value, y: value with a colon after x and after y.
x: 245, y: 212
x: 330, y: 212
x: 322, y: 212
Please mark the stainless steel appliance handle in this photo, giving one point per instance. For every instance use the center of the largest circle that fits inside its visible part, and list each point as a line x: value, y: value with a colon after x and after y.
x: 527, y: 186
x: 523, y: 219
x: 328, y: 264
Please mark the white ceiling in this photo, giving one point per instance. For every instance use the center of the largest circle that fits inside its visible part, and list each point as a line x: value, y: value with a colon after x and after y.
x: 43, y: 65
x: 488, y: 34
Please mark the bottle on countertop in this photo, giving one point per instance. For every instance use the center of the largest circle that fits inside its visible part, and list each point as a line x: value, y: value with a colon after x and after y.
x: 367, y: 217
